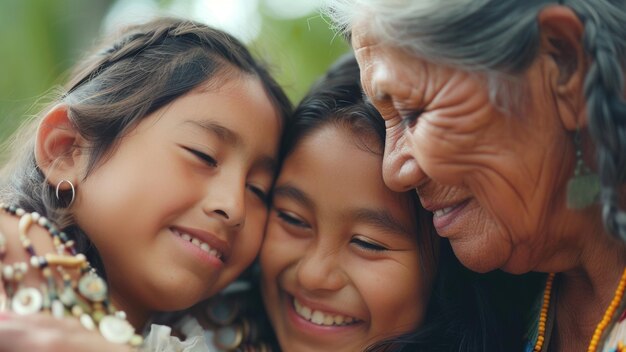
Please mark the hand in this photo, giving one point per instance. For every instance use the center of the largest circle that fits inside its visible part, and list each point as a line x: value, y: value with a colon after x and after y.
x: 42, y: 332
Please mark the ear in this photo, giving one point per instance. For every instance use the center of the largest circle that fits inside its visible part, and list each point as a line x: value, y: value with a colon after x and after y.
x: 58, y: 147
x: 561, y: 39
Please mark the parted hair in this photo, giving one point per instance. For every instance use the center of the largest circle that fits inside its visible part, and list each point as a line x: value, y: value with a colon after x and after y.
x: 127, y: 77
x: 500, y: 39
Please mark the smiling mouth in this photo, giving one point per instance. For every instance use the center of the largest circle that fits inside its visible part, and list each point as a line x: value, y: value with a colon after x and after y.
x: 444, y: 211
x: 200, y: 244
x: 320, y: 318
x: 447, y: 210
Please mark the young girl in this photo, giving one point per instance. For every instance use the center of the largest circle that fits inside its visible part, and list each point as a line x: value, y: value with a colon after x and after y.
x: 156, y: 163
x: 349, y: 265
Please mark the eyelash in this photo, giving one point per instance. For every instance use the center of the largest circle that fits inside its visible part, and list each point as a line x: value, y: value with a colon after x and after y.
x: 259, y: 193
x: 409, y: 118
x: 203, y: 157
x: 368, y: 246
x: 213, y: 163
x: 291, y: 220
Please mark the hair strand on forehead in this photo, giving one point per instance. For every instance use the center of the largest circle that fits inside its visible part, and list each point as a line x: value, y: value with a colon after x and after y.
x: 131, y: 75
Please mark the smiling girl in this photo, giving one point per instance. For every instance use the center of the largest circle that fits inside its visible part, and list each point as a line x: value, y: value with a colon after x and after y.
x: 348, y: 264
x: 156, y: 162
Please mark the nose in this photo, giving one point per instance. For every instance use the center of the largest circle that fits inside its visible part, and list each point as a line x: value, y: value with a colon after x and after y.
x: 401, y: 172
x: 319, y: 270
x: 225, y: 200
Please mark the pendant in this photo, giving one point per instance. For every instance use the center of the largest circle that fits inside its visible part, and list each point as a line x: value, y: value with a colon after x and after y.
x: 115, y: 329
x: 222, y: 311
x: 228, y: 337
x: 87, y: 322
x: 27, y: 301
x: 58, y: 309
x: 583, y: 190
x: 68, y: 297
x: 92, y: 287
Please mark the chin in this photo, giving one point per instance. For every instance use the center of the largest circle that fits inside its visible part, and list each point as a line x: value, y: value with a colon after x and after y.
x: 476, y: 259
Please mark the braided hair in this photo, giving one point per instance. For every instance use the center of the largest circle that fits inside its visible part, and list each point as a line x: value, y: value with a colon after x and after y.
x: 604, y: 41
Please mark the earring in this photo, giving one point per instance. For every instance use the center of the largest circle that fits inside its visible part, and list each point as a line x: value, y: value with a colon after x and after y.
x: 584, y: 187
x: 56, y: 192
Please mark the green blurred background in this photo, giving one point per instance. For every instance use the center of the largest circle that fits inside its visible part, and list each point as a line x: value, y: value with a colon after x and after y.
x: 41, y: 39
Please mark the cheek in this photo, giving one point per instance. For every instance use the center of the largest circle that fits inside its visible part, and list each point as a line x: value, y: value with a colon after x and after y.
x: 437, y: 156
x: 394, y: 310
x: 272, y: 256
x: 248, y: 242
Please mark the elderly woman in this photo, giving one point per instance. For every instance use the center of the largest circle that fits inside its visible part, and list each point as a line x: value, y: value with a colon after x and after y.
x: 508, y: 117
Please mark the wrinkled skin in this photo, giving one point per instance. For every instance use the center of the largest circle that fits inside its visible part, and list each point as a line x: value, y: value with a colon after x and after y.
x: 494, y: 180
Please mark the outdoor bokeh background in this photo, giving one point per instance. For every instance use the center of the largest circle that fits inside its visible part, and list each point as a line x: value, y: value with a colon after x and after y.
x: 41, y: 39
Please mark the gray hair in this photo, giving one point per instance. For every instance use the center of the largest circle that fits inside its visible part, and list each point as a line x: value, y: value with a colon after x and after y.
x: 500, y: 39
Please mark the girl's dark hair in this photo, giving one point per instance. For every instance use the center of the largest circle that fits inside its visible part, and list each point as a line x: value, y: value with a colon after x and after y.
x: 142, y: 69
x: 461, y: 315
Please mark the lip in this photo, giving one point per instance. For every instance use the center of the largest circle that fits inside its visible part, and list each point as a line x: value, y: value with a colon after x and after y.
x: 308, y: 328
x: 442, y: 221
x: 212, y: 240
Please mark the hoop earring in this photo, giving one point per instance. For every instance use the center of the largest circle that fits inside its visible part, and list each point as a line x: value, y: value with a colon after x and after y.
x: 56, y: 192
x: 584, y: 186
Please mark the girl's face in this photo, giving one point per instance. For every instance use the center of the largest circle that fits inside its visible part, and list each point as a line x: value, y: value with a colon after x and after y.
x: 340, y: 262
x: 178, y: 210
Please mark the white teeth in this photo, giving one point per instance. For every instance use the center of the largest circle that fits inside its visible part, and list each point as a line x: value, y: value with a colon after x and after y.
x: 329, y: 320
x: 442, y: 212
x: 202, y: 245
x: 320, y: 318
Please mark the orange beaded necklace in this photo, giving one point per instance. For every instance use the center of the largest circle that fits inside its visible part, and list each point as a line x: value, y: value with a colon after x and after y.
x: 602, y: 325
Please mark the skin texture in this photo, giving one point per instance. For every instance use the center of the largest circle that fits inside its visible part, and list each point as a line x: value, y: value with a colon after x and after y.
x: 500, y: 177
x: 504, y: 174
x: 320, y: 251
x: 176, y: 172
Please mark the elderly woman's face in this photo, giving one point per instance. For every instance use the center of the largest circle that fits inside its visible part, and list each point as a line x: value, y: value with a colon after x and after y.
x: 493, y: 180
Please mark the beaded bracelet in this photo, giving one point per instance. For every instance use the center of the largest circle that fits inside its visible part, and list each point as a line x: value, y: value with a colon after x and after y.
x: 86, y: 299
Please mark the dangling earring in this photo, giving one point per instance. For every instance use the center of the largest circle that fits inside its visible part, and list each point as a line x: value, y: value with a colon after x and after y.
x: 56, y: 192
x: 584, y: 187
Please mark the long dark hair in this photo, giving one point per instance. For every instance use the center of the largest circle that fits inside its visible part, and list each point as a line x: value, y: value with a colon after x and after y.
x: 140, y: 70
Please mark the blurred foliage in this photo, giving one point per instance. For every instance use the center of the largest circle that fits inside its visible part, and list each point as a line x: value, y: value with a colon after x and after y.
x: 41, y: 40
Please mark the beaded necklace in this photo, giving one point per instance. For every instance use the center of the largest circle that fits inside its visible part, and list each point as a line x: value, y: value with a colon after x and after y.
x: 602, y: 325
x: 85, y: 299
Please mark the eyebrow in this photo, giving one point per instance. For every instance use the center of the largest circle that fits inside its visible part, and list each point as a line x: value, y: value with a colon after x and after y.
x: 382, y: 219
x: 291, y: 192
x: 223, y: 133
x: 233, y: 139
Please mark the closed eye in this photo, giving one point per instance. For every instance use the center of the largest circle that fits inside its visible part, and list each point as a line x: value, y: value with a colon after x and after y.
x: 259, y: 192
x: 409, y: 118
x: 291, y: 219
x: 207, y: 159
x: 367, y: 245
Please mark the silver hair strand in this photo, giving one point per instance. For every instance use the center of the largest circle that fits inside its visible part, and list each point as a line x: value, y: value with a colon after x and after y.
x: 500, y: 39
